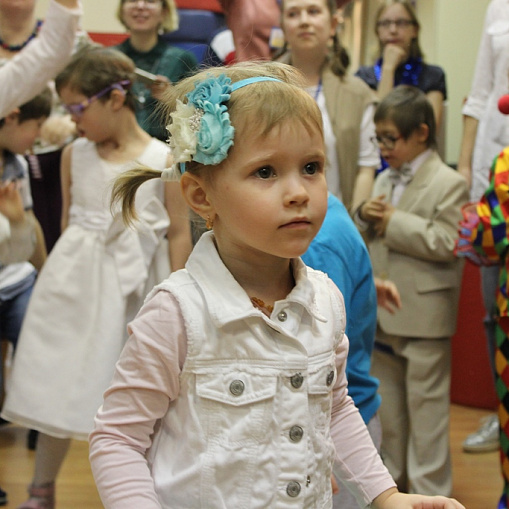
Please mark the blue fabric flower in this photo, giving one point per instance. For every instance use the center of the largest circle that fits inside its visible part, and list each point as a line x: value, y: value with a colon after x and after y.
x: 215, y: 136
x: 201, y: 130
x: 212, y: 90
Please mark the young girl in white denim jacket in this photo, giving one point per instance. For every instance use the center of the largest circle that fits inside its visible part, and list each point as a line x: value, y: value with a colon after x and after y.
x: 231, y: 390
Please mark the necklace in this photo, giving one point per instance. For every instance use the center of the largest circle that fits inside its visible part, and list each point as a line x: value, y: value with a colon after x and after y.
x: 261, y: 305
x: 411, y: 71
x: 19, y: 47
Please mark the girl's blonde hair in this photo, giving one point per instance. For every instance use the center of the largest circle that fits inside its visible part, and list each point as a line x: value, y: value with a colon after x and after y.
x: 171, y: 18
x: 254, y: 110
x: 415, y: 49
x: 93, y: 69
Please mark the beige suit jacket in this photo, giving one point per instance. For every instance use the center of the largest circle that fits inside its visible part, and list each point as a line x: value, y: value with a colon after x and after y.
x: 416, y: 252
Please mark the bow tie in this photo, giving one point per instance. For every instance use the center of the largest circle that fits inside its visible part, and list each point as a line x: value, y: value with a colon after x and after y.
x: 402, y: 176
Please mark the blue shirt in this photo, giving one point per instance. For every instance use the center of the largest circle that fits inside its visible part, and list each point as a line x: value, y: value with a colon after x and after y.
x: 340, y: 252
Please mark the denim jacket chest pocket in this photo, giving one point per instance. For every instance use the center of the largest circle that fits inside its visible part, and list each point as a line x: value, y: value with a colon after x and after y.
x: 236, y: 407
x: 321, y: 382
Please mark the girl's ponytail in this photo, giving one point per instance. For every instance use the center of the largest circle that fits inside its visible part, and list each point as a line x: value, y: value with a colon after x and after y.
x: 124, y: 191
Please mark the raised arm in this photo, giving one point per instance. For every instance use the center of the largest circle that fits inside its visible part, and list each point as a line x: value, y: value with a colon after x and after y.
x: 26, y: 74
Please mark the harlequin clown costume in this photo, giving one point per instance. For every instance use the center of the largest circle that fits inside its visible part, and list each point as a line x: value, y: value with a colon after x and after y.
x: 484, y: 240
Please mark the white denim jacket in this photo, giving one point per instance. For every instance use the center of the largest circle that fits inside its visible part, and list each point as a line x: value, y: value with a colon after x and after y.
x: 250, y: 426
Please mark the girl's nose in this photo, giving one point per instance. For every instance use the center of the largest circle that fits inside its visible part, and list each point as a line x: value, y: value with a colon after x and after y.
x: 303, y: 17
x: 296, y: 192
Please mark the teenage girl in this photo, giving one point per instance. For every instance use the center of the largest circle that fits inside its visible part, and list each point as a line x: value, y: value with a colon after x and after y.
x: 401, y: 60
x: 231, y: 391
x: 99, y: 271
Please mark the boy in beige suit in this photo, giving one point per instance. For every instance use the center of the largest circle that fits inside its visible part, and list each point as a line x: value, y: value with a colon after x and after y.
x: 411, y: 224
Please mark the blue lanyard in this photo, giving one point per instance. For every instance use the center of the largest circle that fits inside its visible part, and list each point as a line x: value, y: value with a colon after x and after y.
x: 318, y: 90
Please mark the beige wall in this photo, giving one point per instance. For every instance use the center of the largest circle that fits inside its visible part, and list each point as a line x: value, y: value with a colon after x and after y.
x: 450, y: 35
x: 99, y: 15
x: 451, y: 31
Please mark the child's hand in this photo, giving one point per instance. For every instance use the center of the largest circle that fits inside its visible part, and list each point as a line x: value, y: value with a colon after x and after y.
x: 387, y: 295
x: 391, y: 499
x: 11, y: 203
x: 381, y: 225
x: 393, y: 56
x: 372, y: 210
x: 160, y: 87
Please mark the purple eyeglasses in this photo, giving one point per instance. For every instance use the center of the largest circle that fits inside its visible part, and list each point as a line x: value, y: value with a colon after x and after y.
x: 78, y: 109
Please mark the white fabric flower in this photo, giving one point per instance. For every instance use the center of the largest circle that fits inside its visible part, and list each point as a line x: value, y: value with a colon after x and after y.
x: 183, y: 129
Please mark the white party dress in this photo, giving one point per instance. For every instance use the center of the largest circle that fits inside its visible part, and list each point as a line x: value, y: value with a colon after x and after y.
x: 92, y: 284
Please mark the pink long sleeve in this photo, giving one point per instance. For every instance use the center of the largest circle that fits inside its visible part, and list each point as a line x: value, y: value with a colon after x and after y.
x: 357, y: 460
x: 145, y: 381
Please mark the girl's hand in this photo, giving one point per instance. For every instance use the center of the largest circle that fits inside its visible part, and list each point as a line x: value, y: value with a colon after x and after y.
x: 160, y: 87
x: 391, y: 499
x: 387, y: 295
x: 11, y: 203
x: 393, y: 55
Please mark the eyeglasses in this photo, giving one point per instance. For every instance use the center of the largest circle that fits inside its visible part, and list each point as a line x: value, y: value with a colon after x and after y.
x: 148, y: 3
x: 398, y: 23
x: 386, y: 140
x: 78, y: 109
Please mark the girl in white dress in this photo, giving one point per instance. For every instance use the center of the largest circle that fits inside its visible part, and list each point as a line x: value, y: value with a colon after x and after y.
x: 98, y: 272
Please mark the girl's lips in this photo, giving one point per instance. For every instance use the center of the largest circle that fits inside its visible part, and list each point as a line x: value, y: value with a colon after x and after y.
x: 297, y: 223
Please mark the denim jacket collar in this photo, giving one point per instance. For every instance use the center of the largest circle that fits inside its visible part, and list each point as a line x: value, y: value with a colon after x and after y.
x: 226, y: 299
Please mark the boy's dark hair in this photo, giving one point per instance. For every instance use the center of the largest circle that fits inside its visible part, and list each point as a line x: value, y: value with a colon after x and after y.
x: 408, y: 107
x: 38, y: 107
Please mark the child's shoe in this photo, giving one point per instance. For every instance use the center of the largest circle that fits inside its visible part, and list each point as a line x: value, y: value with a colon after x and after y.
x: 41, y: 497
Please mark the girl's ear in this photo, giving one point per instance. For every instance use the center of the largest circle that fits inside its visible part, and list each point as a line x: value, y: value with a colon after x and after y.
x: 196, y: 196
x: 117, y: 98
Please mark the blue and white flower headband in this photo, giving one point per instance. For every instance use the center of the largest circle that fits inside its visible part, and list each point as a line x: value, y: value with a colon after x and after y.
x: 200, y: 129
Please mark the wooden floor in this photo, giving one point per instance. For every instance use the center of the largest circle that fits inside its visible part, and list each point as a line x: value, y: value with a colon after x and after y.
x: 477, y: 480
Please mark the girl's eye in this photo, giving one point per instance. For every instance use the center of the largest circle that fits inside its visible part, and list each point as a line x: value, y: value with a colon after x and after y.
x: 265, y: 173
x: 311, y: 168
